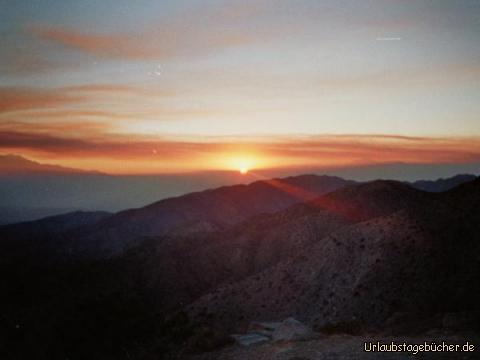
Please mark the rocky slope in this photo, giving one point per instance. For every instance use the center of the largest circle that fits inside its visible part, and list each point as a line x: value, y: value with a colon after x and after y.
x: 211, y: 209
x: 407, y: 252
x: 366, y: 257
x: 193, y: 213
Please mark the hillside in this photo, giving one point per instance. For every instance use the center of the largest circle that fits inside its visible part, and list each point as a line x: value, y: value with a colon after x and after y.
x: 211, y: 210
x: 377, y: 257
x: 419, y: 257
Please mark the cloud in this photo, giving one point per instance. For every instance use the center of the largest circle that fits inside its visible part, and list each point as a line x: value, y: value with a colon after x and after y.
x: 193, y: 31
x: 58, y: 101
x: 114, y: 108
x: 123, y: 147
x: 108, y: 88
x: 188, y: 31
x: 23, y: 55
x: 24, y: 62
x: 156, y: 154
x: 97, y: 44
x: 160, y: 43
x: 371, y: 149
x: 73, y: 126
x: 18, y: 99
x: 14, y: 99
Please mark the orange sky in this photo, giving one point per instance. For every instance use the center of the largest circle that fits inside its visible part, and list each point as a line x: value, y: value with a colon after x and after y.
x: 161, y: 87
x: 74, y: 126
x: 93, y: 148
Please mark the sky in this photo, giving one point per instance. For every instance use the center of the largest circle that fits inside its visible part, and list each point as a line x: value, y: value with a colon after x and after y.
x: 172, y: 86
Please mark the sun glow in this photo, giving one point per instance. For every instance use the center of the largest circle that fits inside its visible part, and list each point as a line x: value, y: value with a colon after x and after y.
x: 243, y: 164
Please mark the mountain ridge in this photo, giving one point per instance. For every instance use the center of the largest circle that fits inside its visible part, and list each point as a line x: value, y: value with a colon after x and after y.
x: 316, y: 282
x: 353, y: 259
x: 11, y: 164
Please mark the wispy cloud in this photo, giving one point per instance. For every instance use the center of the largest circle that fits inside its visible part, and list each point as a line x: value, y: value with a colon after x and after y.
x: 18, y: 99
x: 13, y: 99
x: 151, y: 154
x: 197, y: 31
x: 74, y: 126
x: 368, y: 149
x: 24, y: 62
x: 65, y: 100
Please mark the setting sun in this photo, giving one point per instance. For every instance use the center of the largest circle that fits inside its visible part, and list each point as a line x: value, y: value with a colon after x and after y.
x: 244, y: 164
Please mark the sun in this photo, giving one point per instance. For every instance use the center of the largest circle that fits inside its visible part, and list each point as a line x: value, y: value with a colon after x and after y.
x: 242, y: 164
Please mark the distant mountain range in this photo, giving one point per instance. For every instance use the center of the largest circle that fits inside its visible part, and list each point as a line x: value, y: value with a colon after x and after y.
x: 13, y: 214
x: 213, y: 210
x: 208, y: 210
x: 341, y: 256
x: 441, y: 185
x: 11, y: 164
x: 41, y: 190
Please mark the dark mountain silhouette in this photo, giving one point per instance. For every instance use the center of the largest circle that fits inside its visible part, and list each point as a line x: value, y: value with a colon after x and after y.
x: 193, y: 264
x: 14, y: 214
x: 45, y: 237
x: 230, y: 204
x: 210, y: 210
x: 416, y: 254
x: 42, y: 189
x: 465, y: 197
x: 184, y: 272
x: 59, y: 223
x: 404, y: 171
x: 11, y: 164
x: 441, y: 185
x: 372, y: 199
x: 214, y: 210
